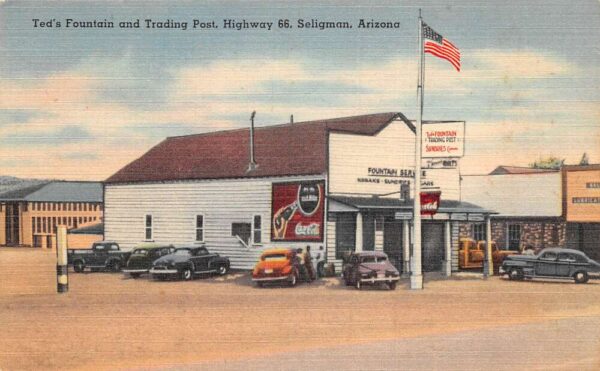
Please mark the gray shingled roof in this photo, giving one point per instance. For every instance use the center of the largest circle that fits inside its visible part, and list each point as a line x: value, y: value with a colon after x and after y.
x: 20, y: 193
x: 62, y: 191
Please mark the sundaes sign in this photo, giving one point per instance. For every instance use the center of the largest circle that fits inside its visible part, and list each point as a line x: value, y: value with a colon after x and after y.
x: 444, y: 139
x: 297, y: 211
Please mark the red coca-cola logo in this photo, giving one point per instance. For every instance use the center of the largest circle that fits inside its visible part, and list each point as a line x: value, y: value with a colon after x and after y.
x: 430, y: 202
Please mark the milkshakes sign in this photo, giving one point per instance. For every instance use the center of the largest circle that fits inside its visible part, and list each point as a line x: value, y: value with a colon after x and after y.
x: 297, y: 211
x: 446, y: 139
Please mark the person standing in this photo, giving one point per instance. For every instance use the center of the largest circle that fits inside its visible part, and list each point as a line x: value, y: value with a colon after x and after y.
x: 310, y: 269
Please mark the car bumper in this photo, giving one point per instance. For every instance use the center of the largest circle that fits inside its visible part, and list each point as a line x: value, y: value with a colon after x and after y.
x: 163, y: 271
x: 379, y: 279
x: 134, y: 270
x: 272, y: 279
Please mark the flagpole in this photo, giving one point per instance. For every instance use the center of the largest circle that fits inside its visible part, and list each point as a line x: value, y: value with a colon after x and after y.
x: 416, y: 277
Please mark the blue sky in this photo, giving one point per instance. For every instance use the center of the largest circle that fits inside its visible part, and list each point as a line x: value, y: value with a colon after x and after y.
x: 81, y: 103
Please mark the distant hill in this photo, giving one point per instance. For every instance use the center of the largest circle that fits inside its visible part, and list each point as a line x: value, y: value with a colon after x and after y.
x: 11, y: 183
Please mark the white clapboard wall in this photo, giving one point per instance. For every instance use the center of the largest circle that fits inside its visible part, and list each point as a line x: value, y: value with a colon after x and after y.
x: 351, y: 156
x: 516, y: 195
x: 174, y: 206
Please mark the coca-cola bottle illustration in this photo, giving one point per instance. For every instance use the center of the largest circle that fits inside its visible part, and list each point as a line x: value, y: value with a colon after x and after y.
x: 281, y: 219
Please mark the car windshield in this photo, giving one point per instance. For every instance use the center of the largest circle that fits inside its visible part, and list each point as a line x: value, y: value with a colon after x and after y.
x: 140, y: 252
x: 373, y: 259
x: 184, y: 252
x: 274, y: 257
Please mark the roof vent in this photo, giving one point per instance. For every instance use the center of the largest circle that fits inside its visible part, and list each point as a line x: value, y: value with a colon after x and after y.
x: 252, y: 165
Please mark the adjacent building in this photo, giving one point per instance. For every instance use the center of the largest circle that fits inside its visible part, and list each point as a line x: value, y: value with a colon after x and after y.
x: 538, y: 208
x: 337, y: 185
x: 581, y: 208
x: 29, y: 216
x: 528, y: 203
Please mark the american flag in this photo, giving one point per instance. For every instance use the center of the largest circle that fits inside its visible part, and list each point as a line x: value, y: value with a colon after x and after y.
x: 437, y: 45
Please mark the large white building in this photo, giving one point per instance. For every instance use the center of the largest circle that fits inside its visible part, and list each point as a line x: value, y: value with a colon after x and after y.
x: 338, y: 185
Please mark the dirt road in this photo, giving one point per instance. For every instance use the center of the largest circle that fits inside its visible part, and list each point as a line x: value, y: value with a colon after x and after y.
x: 108, y: 321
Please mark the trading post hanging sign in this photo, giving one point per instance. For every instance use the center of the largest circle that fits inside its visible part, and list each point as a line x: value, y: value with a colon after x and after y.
x: 297, y: 211
x: 443, y: 139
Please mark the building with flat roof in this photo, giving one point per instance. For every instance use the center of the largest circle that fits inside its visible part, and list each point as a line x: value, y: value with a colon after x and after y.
x: 29, y: 216
x: 539, y: 208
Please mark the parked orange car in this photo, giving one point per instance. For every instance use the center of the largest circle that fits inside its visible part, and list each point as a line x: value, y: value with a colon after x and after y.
x: 277, y: 266
x: 471, y: 254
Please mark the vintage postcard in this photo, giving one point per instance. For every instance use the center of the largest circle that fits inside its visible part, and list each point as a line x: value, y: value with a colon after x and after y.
x: 299, y: 185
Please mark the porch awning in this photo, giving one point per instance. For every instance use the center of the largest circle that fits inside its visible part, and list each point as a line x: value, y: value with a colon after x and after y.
x: 395, y: 204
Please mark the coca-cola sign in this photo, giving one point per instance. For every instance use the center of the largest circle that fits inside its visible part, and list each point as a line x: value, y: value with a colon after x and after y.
x: 430, y: 202
x: 297, y: 211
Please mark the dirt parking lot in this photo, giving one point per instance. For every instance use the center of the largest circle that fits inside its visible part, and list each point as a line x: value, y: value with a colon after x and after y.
x: 109, y: 321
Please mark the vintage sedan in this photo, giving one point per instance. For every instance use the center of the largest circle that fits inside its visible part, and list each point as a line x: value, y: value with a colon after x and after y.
x: 143, y: 256
x: 370, y: 268
x: 186, y: 262
x: 555, y: 263
x: 277, y: 266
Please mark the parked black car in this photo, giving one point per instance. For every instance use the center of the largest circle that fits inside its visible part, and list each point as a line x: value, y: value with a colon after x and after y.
x: 142, y: 257
x: 554, y: 263
x: 104, y: 255
x: 370, y: 268
x: 186, y: 262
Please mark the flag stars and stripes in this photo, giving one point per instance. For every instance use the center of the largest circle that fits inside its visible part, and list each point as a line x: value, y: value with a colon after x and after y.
x: 437, y: 45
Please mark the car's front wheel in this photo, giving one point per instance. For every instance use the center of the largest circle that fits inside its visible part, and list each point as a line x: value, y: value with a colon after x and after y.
x: 115, y: 266
x: 135, y: 275
x: 187, y: 274
x: 78, y: 266
x: 222, y: 270
x: 581, y: 277
x: 392, y: 285
x: 515, y: 274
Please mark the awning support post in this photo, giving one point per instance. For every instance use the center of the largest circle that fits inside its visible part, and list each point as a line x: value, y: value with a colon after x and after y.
x: 405, y: 248
x: 447, y: 249
x: 359, y: 232
x: 489, y: 267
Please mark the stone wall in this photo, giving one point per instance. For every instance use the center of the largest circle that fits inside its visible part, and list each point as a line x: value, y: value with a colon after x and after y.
x: 537, y: 233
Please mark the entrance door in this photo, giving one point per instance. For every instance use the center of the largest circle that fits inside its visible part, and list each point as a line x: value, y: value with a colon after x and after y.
x: 432, y: 239
x: 392, y: 241
x: 368, y: 232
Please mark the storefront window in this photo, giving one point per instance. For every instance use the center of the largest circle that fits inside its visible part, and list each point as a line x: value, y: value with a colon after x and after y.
x: 345, y: 234
x: 479, y: 232
x: 514, y: 237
